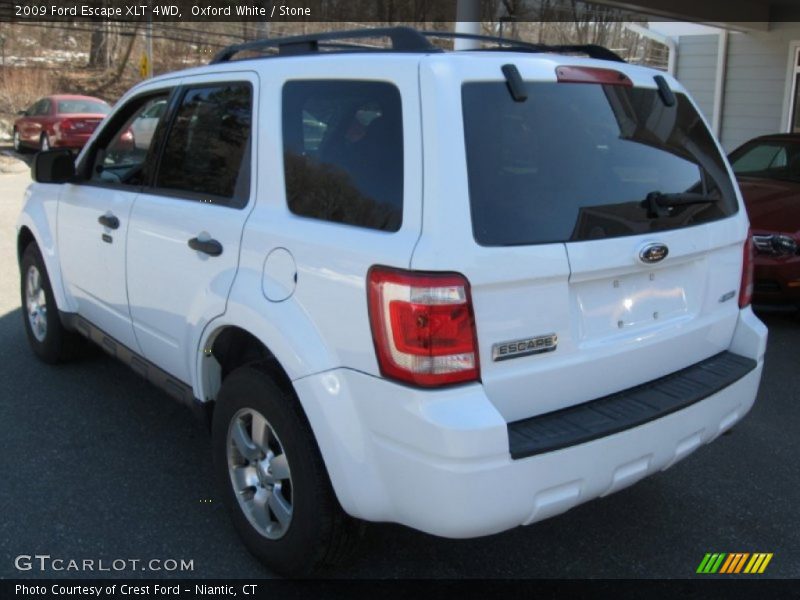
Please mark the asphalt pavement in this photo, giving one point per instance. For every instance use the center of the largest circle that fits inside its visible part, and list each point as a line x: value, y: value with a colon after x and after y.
x: 97, y: 464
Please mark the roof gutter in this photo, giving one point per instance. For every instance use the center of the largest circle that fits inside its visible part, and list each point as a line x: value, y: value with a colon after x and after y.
x: 670, y: 43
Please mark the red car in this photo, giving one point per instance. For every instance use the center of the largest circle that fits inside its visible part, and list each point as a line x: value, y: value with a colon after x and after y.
x: 768, y: 171
x: 63, y: 121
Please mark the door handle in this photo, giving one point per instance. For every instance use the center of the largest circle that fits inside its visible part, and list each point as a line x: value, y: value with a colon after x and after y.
x: 210, y: 247
x: 109, y: 221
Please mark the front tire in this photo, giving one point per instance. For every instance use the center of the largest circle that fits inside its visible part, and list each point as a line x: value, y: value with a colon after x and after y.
x: 48, y: 338
x: 272, y: 479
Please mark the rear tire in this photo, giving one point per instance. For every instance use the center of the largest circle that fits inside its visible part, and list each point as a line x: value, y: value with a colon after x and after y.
x: 48, y: 338
x: 272, y: 479
x: 17, y: 142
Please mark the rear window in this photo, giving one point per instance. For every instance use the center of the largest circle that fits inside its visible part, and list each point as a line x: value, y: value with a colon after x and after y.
x: 343, y: 152
x: 577, y: 162
x: 76, y: 107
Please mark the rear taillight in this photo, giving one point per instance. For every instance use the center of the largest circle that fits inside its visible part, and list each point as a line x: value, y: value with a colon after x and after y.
x: 423, y: 326
x: 65, y: 125
x: 746, y: 289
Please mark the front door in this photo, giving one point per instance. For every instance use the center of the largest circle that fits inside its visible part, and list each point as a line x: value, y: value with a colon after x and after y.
x: 93, y: 219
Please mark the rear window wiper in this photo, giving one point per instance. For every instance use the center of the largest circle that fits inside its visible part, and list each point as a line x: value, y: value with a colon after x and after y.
x: 658, y: 204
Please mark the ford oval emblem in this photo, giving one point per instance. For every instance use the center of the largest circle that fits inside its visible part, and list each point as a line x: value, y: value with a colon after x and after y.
x: 653, y: 253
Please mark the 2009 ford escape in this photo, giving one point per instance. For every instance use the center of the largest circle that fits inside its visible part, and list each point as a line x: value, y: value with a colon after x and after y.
x: 462, y: 291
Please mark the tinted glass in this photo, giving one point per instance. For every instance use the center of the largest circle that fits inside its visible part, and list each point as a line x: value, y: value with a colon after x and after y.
x: 343, y: 152
x: 769, y: 160
x: 73, y: 107
x: 122, y: 160
x: 577, y: 161
x: 208, y: 142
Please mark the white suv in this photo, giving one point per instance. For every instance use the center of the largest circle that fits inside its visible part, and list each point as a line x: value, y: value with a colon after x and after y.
x: 461, y: 291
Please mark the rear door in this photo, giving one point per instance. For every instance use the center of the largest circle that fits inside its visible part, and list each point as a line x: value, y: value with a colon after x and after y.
x: 185, y: 230
x: 582, y: 286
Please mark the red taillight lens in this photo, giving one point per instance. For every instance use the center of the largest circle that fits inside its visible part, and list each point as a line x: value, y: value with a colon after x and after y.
x: 65, y: 125
x: 423, y: 326
x: 592, y: 75
x: 748, y: 277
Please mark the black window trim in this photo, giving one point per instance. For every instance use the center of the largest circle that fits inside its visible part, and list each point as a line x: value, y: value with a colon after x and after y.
x: 168, y: 119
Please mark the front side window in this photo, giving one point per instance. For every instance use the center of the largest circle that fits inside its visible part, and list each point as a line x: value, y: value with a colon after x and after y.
x: 343, y: 152
x: 207, y: 148
x: 122, y: 159
x: 578, y: 161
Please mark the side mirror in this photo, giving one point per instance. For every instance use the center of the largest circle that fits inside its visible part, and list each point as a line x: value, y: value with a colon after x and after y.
x: 53, y: 166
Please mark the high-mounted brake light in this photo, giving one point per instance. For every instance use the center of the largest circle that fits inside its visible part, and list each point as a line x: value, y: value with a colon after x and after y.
x: 748, y: 277
x: 592, y: 75
x: 423, y: 326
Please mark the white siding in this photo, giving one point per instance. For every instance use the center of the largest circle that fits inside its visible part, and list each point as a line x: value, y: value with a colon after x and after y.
x: 697, y: 64
x: 757, y: 85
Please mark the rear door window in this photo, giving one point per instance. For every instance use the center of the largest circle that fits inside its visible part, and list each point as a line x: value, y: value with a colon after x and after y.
x: 578, y: 161
x: 343, y: 152
x: 206, y: 154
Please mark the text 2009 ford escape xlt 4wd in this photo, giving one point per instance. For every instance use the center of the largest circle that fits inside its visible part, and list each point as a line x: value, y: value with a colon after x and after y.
x: 462, y: 291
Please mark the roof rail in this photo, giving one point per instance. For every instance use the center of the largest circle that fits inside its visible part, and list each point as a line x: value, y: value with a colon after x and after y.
x: 404, y: 39
x: 507, y: 45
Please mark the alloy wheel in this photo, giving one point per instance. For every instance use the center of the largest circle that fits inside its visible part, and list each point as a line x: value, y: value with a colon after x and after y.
x: 259, y: 473
x: 36, y: 303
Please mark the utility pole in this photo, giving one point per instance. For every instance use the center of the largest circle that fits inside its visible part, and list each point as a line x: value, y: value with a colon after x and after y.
x: 149, y: 38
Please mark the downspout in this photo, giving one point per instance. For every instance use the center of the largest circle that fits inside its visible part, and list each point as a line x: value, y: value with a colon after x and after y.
x: 719, y: 82
x: 670, y: 43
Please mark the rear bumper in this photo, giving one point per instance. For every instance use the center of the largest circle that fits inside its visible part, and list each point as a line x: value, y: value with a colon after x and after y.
x: 440, y: 461
x: 76, y: 141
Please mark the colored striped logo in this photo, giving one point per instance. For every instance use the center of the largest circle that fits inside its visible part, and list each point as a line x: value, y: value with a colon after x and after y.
x: 735, y: 562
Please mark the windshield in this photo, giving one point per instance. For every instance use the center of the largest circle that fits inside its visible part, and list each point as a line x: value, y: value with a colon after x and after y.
x: 77, y: 107
x: 768, y: 160
x: 577, y: 162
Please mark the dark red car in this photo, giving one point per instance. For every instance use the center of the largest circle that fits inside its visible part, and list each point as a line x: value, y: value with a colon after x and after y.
x: 768, y: 171
x: 63, y: 121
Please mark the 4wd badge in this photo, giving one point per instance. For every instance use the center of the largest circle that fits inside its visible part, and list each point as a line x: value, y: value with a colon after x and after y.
x: 524, y: 347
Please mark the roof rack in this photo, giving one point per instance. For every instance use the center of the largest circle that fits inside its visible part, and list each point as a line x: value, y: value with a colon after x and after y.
x: 404, y: 39
x: 508, y: 45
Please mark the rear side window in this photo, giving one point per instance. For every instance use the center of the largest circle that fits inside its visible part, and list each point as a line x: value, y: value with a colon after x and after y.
x: 578, y: 161
x: 343, y: 152
x: 207, y: 148
x: 768, y: 159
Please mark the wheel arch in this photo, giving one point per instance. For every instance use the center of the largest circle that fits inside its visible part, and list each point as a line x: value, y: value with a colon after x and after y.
x: 229, y: 347
x: 34, y: 226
